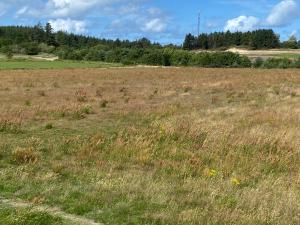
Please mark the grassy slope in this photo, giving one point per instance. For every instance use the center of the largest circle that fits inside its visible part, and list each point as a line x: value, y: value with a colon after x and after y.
x: 154, y: 146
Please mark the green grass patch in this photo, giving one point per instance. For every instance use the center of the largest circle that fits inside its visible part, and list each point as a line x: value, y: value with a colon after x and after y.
x: 58, y: 64
x: 11, y: 216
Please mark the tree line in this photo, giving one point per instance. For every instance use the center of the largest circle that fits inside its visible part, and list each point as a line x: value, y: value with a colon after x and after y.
x: 258, y: 39
x: 32, y: 40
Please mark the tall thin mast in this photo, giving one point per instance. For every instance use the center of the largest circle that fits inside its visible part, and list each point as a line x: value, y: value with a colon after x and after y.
x: 199, y: 17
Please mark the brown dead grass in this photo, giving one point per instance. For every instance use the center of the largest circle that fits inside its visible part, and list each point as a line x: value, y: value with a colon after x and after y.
x: 219, y: 146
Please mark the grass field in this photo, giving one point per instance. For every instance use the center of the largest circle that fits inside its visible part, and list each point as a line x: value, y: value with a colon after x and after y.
x: 151, y: 145
x: 58, y: 64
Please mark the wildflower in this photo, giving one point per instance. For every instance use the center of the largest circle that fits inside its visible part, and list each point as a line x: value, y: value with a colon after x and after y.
x: 210, y: 172
x: 235, y: 181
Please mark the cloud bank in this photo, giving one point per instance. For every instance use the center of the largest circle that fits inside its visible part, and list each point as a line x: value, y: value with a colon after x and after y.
x: 282, y: 14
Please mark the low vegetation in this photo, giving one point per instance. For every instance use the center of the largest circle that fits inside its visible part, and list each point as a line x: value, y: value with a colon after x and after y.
x: 31, y: 41
x: 44, y: 64
x: 11, y: 216
x: 151, y: 145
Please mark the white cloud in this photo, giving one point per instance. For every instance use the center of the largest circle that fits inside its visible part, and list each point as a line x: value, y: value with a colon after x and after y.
x: 22, y: 11
x: 63, y: 8
x: 283, y: 13
x: 72, y: 26
x: 108, y: 18
x: 155, y: 25
x: 3, y: 8
x: 242, y: 23
x: 67, y: 8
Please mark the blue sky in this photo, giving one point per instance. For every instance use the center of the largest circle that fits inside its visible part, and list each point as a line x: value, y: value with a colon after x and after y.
x: 165, y: 21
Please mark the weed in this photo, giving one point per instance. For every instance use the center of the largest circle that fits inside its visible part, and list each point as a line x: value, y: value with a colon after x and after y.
x: 81, y: 96
x: 276, y: 90
x: 99, y: 92
x: 103, y: 103
x: 187, y: 89
x: 49, y: 126
x: 293, y: 94
x: 41, y: 93
x: 56, y: 85
x: 28, y: 103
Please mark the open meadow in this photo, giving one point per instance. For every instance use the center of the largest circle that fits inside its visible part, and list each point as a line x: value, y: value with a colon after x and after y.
x: 149, y: 146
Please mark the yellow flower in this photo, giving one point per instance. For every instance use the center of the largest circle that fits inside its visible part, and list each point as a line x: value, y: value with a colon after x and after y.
x: 235, y: 181
x: 212, y: 173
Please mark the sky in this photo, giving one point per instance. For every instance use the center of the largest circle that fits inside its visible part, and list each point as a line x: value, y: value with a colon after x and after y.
x: 164, y: 21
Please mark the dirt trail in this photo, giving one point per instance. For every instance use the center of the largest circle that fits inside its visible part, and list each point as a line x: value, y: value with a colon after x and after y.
x: 264, y: 52
x: 78, y: 220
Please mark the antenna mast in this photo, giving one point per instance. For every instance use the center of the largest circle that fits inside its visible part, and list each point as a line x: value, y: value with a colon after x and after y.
x: 199, y: 18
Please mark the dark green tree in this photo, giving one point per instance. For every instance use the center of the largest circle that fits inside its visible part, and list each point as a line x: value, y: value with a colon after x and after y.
x: 50, y: 38
x: 189, y: 42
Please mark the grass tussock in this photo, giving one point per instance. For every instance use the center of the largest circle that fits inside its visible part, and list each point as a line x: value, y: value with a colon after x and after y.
x: 10, y: 125
x: 24, y: 156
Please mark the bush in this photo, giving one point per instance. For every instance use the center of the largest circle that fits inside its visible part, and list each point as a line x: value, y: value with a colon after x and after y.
x: 31, y: 48
x: 282, y: 63
x: 181, y: 58
x: 46, y: 48
x: 220, y: 59
x: 153, y: 57
x: 258, y: 62
x: 157, y: 57
x: 9, y: 55
x: 296, y: 63
x: 95, y: 55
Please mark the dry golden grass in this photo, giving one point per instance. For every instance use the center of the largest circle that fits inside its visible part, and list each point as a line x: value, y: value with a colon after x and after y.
x: 154, y: 145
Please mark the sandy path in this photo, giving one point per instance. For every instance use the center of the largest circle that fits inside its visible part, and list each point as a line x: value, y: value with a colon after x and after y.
x: 264, y: 52
x: 78, y: 220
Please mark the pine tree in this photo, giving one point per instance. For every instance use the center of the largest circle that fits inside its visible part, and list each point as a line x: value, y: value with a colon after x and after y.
x: 189, y: 42
x: 50, y: 38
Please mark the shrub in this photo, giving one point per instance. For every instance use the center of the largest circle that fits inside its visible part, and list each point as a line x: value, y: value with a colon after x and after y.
x: 157, y: 57
x: 95, y: 55
x: 258, y: 62
x: 296, y: 63
x: 282, y: 63
x: 31, y: 48
x: 153, y: 57
x: 220, y: 59
x: 9, y: 55
x: 180, y: 58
